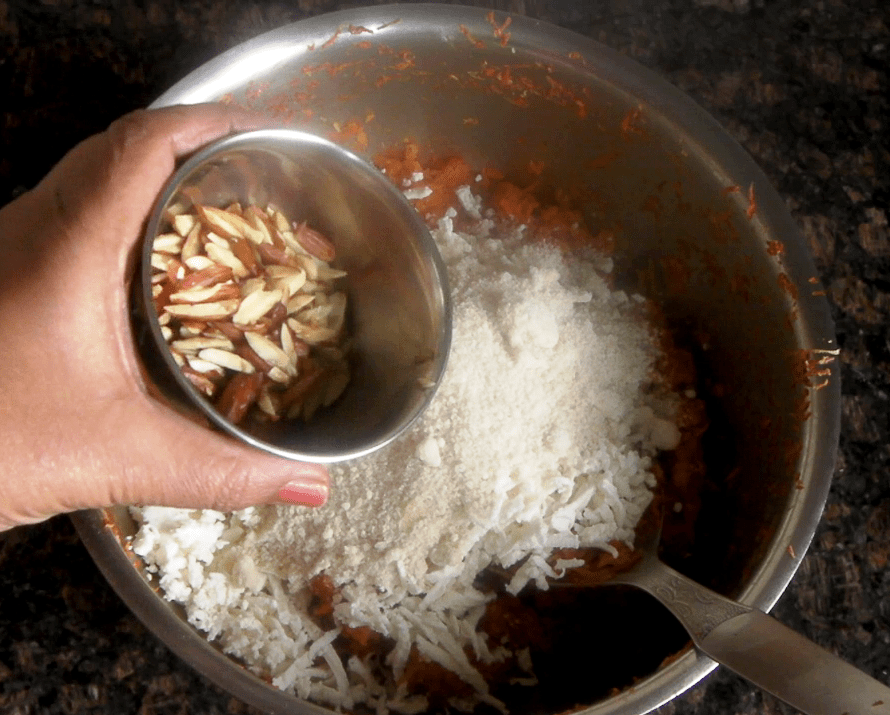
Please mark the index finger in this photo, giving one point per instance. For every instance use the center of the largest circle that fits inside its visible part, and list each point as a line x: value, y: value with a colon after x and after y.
x: 173, y: 132
x: 119, y: 173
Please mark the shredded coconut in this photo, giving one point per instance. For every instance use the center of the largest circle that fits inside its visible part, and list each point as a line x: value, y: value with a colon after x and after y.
x: 541, y: 436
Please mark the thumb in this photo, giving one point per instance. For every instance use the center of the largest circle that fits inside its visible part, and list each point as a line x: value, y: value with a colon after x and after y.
x: 186, y: 465
x: 141, y: 452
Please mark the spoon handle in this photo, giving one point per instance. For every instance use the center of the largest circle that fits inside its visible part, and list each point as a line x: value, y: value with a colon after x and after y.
x: 762, y: 650
x: 794, y: 669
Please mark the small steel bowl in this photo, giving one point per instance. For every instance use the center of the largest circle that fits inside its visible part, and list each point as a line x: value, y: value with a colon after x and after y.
x: 399, y: 306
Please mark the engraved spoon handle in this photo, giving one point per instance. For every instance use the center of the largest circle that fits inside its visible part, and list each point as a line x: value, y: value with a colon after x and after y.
x: 762, y: 650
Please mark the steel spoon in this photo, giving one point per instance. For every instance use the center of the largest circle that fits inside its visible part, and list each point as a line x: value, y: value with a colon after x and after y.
x: 753, y: 644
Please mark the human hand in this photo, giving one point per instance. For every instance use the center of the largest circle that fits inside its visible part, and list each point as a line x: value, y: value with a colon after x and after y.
x: 79, y: 427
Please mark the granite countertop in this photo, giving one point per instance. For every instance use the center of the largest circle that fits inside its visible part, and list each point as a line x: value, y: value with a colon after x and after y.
x: 802, y: 84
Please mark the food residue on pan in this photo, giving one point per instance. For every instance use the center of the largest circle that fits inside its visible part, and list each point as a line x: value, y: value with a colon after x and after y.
x: 813, y: 367
x: 375, y: 599
x: 500, y: 31
x: 517, y: 83
x: 633, y: 124
x: 752, y: 203
x: 775, y: 248
x: 466, y: 33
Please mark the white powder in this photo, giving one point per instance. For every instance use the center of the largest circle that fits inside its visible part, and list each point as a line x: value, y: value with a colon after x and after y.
x: 540, y: 436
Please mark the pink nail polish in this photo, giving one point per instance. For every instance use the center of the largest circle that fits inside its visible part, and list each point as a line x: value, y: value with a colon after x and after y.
x: 306, y: 493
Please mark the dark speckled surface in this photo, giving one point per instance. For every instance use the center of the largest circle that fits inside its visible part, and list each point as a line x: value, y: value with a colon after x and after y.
x: 803, y: 85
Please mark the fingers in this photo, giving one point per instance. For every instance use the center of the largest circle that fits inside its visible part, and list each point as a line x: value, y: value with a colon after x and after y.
x: 180, y: 129
x: 199, y: 468
x: 157, y: 138
x: 136, y: 451
x: 174, y: 462
x: 86, y: 434
x: 114, y: 177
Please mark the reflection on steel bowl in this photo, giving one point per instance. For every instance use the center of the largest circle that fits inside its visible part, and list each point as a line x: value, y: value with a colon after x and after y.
x: 697, y: 230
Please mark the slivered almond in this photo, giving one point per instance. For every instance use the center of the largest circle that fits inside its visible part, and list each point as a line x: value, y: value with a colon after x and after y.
x: 191, y: 247
x: 191, y: 328
x: 290, y: 243
x: 252, y: 285
x: 258, y: 222
x: 211, y: 275
x: 298, y: 302
x: 226, y: 359
x: 268, y: 351
x: 337, y: 316
x: 278, y: 375
x: 325, y: 273
x: 255, y: 235
x: 162, y: 297
x: 293, y: 397
x: 167, y: 243
x: 289, y: 347
x: 289, y: 280
x: 175, y: 269
x: 220, y: 291
x: 225, y: 257
x: 249, y: 354
x: 230, y: 223
x: 178, y: 358
x: 218, y: 240
x: 268, y: 404
x: 225, y: 222
x: 311, y: 333
x: 255, y: 306
x: 206, y: 311
x: 242, y: 250
x: 184, y: 223
x: 279, y: 219
x: 160, y: 261
x: 201, y: 382
x: 198, y: 263
x: 277, y: 240
x: 315, y: 317
x: 274, y: 318
x: 238, y: 396
x: 193, y: 345
x: 279, y: 272
x: 314, y: 243
x: 308, y: 264
x: 228, y: 329
x: 273, y: 255
x: 205, y: 367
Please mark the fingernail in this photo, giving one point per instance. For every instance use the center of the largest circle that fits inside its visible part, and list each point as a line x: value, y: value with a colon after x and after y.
x: 306, y: 493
